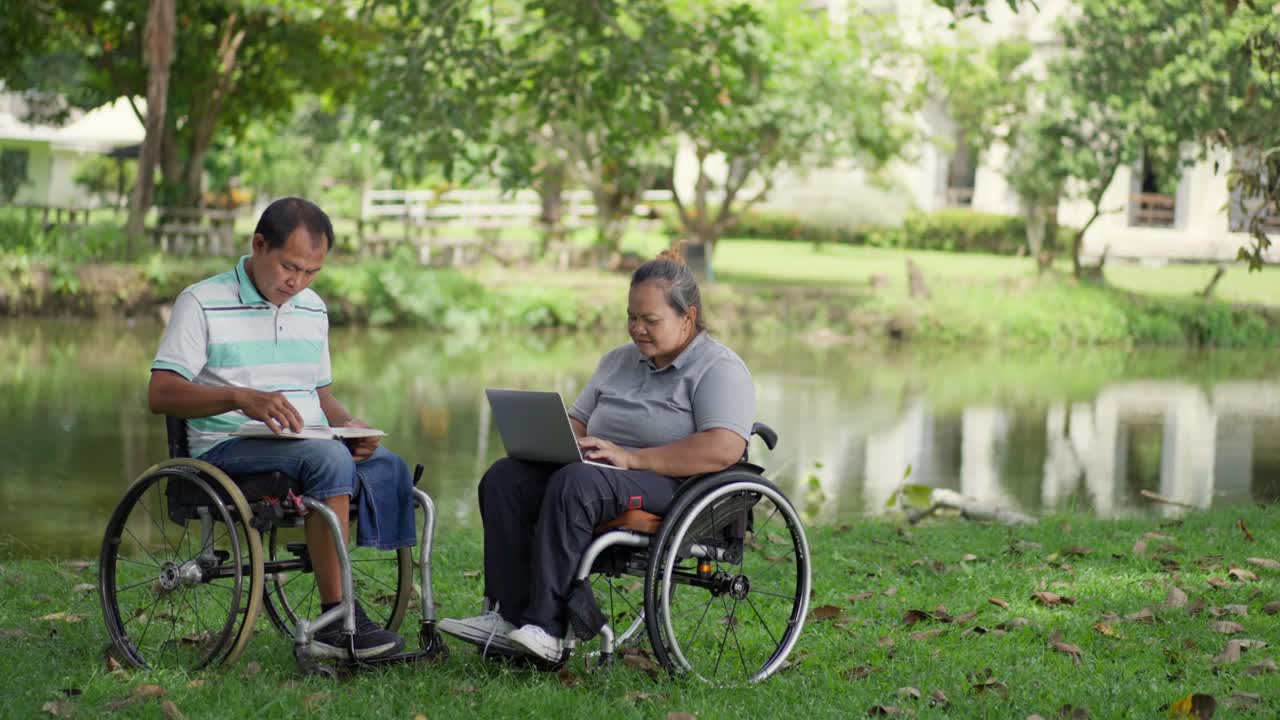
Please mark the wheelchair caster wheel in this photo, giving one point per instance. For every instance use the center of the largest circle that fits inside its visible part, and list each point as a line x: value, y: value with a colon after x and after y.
x: 321, y: 670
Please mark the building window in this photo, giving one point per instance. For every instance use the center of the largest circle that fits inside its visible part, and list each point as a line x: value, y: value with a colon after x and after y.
x: 1152, y: 203
x: 13, y: 173
x: 962, y: 174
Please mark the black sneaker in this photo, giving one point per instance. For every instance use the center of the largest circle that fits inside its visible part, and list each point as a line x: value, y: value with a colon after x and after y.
x: 371, y: 640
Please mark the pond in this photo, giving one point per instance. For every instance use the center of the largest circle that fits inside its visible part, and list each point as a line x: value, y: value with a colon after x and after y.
x: 1038, y: 430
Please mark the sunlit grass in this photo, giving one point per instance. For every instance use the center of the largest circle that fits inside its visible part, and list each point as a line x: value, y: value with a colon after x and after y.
x: 1136, y: 670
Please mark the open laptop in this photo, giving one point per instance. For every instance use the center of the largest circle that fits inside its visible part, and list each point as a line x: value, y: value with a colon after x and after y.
x: 534, y: 425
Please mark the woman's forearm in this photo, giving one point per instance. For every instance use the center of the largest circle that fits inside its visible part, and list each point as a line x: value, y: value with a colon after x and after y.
x: 702, y: 452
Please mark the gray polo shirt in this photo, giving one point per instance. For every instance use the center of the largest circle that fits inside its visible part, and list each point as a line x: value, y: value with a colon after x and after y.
x: 630, y: 402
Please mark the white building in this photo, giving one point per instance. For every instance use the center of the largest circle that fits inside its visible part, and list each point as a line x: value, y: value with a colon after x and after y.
x: 1196, y: 222
x: 51, y: 154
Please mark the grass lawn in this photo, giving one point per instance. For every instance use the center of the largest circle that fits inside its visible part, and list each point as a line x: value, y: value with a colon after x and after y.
x: 946, y: 611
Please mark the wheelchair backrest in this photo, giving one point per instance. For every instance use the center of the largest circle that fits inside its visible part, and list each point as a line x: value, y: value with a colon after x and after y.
x: 176, y: 430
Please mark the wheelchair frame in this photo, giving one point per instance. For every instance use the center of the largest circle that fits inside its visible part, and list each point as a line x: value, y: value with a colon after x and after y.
x: 230, y: 506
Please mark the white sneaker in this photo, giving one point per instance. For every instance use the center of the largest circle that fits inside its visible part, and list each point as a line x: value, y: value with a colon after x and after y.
x: 537, y: 642
x: 489, y: 631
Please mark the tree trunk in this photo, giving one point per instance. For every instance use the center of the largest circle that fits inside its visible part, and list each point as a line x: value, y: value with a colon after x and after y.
x: 550, y: 187
x: 158, y: 55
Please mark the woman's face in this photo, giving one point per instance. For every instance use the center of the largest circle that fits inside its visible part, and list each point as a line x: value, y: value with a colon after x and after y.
x: 654, y: 326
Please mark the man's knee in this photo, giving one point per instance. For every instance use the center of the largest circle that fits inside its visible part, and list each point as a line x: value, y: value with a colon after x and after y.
x: 498, y: 480
x: 328, y: 469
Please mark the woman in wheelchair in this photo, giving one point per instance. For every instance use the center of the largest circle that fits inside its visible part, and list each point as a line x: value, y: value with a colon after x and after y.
x: 671, y: 404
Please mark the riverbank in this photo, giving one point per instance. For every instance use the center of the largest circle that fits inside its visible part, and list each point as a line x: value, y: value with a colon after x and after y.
x: 836, y: 294
x: 945, y: 619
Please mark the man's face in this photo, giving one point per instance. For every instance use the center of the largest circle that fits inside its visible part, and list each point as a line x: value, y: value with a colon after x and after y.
x: 280, y: 273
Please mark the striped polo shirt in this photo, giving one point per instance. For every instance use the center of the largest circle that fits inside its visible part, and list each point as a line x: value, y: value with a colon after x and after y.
x: 223, y: 333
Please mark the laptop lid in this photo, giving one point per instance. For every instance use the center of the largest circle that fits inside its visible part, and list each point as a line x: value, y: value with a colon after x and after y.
x: 534, y: 425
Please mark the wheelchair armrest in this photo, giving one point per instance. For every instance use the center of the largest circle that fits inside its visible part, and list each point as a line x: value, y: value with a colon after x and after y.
x: 766, y: 433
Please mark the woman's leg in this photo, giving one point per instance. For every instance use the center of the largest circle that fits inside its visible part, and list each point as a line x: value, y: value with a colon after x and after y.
x: 511, y: 494
x: 578, y: 498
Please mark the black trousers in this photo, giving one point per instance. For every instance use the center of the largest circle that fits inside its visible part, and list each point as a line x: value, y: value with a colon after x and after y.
x: 539, y: 518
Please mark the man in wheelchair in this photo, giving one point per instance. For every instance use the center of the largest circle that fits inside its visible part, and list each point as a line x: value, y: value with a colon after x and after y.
x: 671, y: 404
x: 252, y: 343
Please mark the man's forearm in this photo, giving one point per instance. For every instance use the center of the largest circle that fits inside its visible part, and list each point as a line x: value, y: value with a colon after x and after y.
x: 333, y: 410
x: 182, y: 398
x: 701, y: 452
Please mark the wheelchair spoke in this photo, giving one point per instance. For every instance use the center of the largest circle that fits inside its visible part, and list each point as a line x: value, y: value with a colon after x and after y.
x: 131, y: 586
x: 763, y: 624
x: 715, y: 672
x: 144, y: 547
x: 373, y: 578
x: 168, y: 545
x: 733, y: 622
x: 697, y: 629
x: 139, y: 564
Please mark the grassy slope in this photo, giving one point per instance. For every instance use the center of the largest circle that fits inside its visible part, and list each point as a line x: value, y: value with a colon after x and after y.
x: 1132, y: 673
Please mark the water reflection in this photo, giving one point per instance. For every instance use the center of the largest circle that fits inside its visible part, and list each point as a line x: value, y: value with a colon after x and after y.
x: 1087, y: 430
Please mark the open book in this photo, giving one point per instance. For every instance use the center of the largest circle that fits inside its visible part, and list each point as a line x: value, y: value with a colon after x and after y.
x: 257, y: 429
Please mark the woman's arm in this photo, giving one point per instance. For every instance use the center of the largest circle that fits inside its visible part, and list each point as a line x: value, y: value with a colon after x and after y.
x: 579, y: 427
x: 702, y: 452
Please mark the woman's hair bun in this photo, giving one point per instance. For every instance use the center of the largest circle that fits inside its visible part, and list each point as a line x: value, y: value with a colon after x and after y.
x: 672, y: 254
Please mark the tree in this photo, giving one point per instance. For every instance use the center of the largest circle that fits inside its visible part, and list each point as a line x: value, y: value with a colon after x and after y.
x: 798, y: 93
x: 157, y: 54
x: 238, y: 61
x: 547, y: 92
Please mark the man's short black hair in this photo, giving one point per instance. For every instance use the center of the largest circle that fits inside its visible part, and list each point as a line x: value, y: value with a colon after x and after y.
x: 284, y: 216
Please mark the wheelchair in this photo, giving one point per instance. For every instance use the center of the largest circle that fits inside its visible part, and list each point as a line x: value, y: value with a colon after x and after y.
x: 724, y: 578
x: 191, y: 556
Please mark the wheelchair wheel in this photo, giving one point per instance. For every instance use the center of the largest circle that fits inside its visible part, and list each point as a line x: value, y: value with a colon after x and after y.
x: 180, y: 571
x: 382, y: 579
x: 622, y: 601
x: 727, y: 586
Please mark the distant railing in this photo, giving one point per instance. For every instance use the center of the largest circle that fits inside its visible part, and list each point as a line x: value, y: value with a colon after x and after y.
x: 466, y: 222
x: 1153, y: 210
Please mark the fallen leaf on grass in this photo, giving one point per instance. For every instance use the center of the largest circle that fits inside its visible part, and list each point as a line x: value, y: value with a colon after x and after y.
x: 1077, y: 551
x: 79, y: 564
x: 1267, y: 563
x: 1226, y: 627
x: 84, y: 587
x: 1248, y: 536
x: 998, y: 602
x: 680, y: 715
x: 1239, y: 700
x: 14, y: 633
x: 58, y: 708
x: 827, y: 612
x: 1105, y: 628
x: 639, y: 696
x: 1231, y: 653
x: 885, y: 642
x: 63, y: 616
x: 1070, y: 712
x: 1196, y: 607
x: 641, y: 661
x: 891, y: 592
x: 1241, y: 574
x: 172, y: 712
x: 1045, y: 597
x: 990, y: 684
x: 1194, y: 706
x: 1144, y: 615
x: 968, y: 557
x: 1175, y: 597
x: 927, y: 634
x: 252, y: 669
x: 568, y: 679
x: 911, y: 617
x: 1013, y: 623
x: 937, y: 697
x: 1068, y: 649
x: 1140, y: 548
x: 1218, y: 583
x: 858, y: 673
x: 196, y: 684
x: 1237, y: 610
x: 883, y: 710
x: 149, y: 691
x: 910, y: 692
x: 1262, y: 668
x: 860, y: 596
x: 1271, y: 608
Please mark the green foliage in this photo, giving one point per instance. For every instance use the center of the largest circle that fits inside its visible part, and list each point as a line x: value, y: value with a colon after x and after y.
x: 13, y: 172
x: 107, y: 179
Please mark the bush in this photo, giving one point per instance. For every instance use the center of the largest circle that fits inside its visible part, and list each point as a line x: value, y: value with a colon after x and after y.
x: 946, y: 230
